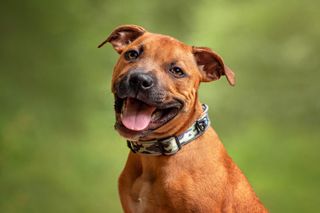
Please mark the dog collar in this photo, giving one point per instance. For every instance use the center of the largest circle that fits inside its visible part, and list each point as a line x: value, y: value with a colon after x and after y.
x: 172, y: 145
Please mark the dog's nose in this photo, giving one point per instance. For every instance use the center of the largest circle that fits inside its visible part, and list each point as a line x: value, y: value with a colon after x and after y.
x: 141, y: 81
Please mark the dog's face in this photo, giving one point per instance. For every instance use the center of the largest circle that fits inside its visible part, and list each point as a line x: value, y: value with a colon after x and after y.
x: 156, y: 79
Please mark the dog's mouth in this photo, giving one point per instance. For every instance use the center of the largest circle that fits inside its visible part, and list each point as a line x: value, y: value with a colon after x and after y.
x: 137, y: 115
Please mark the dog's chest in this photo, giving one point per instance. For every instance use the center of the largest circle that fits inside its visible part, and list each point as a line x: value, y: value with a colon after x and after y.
x: 141, y: 195
x: 148, y: 194
x: 161, y: 195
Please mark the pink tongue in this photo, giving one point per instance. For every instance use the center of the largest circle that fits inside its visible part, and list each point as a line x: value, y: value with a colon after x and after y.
x: 136, y: 115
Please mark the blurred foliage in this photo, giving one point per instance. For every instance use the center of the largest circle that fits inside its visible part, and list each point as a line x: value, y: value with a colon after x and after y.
x: 58, y: 149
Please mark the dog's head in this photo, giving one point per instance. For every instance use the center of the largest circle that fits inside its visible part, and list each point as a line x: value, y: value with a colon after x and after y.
x: 156, y: 79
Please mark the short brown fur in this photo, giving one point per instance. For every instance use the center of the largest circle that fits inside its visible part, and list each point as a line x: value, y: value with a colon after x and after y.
x: 201, y: 177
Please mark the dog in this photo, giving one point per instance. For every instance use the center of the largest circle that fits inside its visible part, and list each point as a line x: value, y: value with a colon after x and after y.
x: 177, y: 162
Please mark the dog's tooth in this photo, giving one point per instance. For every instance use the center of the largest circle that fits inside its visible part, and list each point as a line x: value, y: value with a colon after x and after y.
x: 156, y: 115
x: 123, y: 106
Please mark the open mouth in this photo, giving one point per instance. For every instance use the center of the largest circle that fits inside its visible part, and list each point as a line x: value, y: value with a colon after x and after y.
x: 137, y: 115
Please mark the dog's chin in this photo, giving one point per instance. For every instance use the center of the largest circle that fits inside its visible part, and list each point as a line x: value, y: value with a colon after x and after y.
x: 136, y: 119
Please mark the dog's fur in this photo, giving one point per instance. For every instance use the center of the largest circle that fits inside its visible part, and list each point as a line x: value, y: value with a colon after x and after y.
x: 201, y: 177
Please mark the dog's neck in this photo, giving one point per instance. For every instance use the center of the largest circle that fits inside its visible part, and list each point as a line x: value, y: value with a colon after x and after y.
x: 172, y: 144
x: 154, y: 167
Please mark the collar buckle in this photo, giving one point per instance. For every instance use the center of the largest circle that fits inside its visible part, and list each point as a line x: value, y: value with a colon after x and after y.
x: 167, y: 146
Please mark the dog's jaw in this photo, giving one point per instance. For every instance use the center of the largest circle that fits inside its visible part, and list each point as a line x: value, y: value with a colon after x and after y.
x: 157, y: 116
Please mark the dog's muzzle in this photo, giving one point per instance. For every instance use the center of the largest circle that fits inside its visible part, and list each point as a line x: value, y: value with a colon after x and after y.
x: 137, y: 84
x: 141, y: 104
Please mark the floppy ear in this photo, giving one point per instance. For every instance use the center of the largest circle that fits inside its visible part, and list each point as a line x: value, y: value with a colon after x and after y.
x: 122, y: 36
x: 211, y: 65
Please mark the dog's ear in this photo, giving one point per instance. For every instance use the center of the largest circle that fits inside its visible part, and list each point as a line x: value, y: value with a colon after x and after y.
x: 211, y: 65
x: 122, y: 36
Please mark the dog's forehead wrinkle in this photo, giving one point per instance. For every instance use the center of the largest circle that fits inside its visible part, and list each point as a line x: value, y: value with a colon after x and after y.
x: 162, y: 49
x: 156, y: 40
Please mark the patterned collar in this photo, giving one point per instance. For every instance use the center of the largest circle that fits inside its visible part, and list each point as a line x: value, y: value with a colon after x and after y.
x: 172, y: 145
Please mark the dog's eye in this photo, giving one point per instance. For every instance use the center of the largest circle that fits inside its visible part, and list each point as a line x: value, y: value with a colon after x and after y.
x: 177, y: 72
x: 131, y: 55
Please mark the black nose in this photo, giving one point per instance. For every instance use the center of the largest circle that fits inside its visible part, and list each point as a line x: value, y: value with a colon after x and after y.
x: 141, y: 81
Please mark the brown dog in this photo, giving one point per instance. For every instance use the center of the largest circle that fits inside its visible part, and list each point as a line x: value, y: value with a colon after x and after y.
x: 177, y: 162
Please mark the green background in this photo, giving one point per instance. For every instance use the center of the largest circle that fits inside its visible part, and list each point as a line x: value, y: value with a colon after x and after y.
x: 58, y: 149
